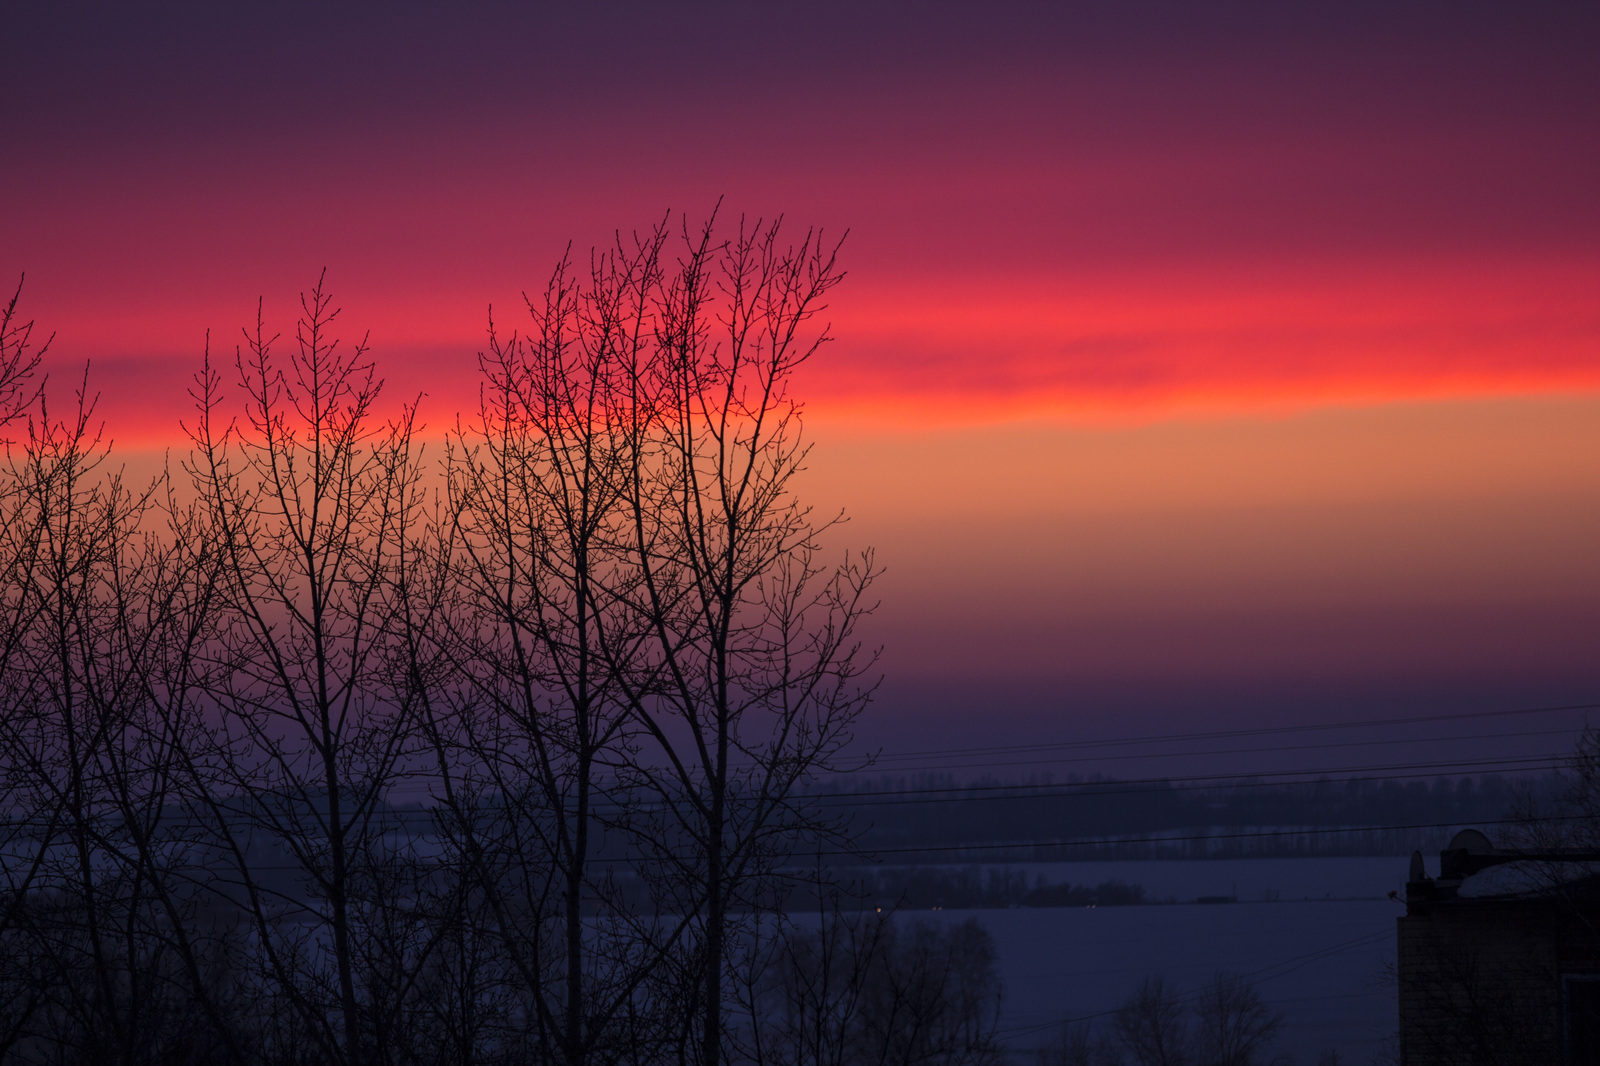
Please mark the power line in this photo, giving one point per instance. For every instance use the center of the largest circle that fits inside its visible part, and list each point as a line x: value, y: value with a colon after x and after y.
x: 1322, y: 746
x: 1256, y: 834
x: 1311, y: 727
x: 969, y: 793
x: 1228, y: 733
x: 1087, y: 842
x: 980, y: 793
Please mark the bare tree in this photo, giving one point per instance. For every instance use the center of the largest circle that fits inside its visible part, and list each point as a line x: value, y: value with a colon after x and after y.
x: 1566, y: 816
x: 810, y: 1000
x: 24, y: 529
x: 23, y: 535
x: 19, y: 360
x: 865, y: 988
x: 1151, y: 1027
x: 938, y: 1000
x: 544, y: 633
x: 1480, y: 1005
x: 608, y: 650
x: 55, y: 739
x: 1235, y: 1026
x: 1074, y: 1044
x: 305, y: 496
x: 101, y: 872
x: 756, y: 669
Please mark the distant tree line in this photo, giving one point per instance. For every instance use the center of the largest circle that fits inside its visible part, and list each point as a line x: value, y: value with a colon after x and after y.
x: 1110, y: 819
x: 326, y: 747
x: 961, y: 888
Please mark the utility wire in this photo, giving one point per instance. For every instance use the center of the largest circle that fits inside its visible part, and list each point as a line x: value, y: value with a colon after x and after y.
x: 1126, y: 786
x: 1321, y: 746
x: 1098, y: 759
x: 1116, y: 787
x: 1257, y: 834
x: 1228, y: 733
x: 1087, y: 842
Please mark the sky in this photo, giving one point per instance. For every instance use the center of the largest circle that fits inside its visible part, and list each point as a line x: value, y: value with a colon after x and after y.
x: 1197, y: 365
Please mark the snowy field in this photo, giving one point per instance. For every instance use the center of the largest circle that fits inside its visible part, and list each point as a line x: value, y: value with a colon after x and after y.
x: 1318, y: 952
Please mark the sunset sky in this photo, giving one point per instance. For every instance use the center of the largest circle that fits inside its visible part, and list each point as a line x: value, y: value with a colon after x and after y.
x: 1198, y: 363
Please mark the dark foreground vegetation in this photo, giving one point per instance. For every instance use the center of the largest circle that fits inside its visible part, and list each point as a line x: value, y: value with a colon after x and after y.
x: 325, y: 747
x: 1223, y: 1023
x: 319, y: 748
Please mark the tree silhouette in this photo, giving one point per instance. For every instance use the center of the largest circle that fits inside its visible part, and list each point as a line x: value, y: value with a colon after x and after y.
x: 322, y: 753
x: 19, y: 360
x: 305, y: 498
x: 756, y: 674
x: 545, y: 638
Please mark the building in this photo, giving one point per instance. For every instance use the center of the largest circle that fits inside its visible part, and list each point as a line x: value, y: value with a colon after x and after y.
x: 1499, y: 957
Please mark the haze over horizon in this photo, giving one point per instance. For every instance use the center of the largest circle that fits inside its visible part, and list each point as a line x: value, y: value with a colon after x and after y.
x: 1195, y: 367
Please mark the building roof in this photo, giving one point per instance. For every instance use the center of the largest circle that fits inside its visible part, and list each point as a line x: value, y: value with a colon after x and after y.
x: 1471, y: 868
